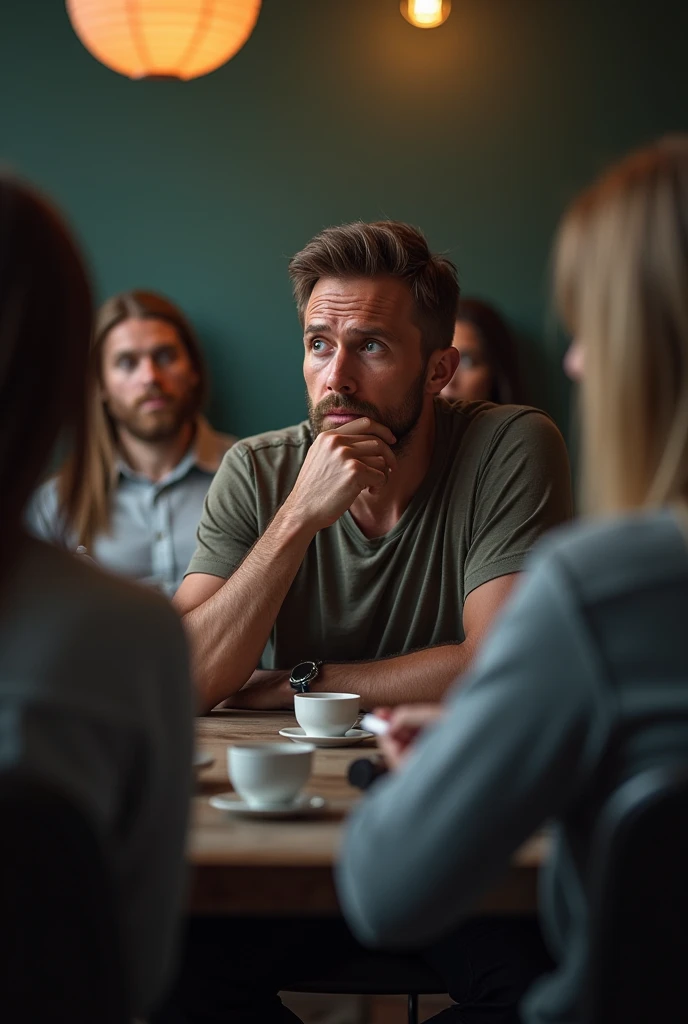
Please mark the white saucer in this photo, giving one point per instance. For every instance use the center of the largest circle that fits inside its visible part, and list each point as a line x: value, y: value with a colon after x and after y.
x: 348, y: 739
x: 304, y: 806
x: 203, y: 759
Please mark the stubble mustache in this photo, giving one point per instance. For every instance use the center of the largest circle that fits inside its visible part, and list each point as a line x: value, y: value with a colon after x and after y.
x: 340, y: 403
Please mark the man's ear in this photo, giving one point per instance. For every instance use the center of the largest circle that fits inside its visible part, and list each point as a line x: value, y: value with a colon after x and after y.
x: 441, y: 368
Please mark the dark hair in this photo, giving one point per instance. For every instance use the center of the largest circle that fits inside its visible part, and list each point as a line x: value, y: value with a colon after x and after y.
x: 499, y: 349
x: 383, y: 248
x: 92, y: 513
x: 46, y: 318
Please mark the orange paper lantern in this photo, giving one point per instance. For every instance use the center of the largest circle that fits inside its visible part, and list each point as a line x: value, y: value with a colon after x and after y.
x: 163, y: 38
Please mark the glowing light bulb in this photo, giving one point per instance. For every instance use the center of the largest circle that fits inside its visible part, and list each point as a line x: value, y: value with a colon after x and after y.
x: 426, y: 13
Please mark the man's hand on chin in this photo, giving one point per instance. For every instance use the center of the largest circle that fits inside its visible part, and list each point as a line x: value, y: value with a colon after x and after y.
x: 265, y: 691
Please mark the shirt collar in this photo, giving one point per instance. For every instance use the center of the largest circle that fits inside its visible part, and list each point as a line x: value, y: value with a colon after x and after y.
x: 209, y: 447
x: 206, y: 453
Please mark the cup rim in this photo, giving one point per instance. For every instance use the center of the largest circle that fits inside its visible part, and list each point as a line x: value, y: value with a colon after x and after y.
x: 319, y: 695
x: 252, y: 749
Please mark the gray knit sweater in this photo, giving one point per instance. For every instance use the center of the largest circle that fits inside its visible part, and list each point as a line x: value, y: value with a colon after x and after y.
x: 583, y: 682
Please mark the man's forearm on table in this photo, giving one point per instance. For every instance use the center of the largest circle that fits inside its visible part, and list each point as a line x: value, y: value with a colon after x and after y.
x: 422, y: 676
x: 229, y: 631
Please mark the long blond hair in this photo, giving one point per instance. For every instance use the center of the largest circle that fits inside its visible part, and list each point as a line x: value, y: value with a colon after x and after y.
x: 621, y: 283
x: 91, y: 515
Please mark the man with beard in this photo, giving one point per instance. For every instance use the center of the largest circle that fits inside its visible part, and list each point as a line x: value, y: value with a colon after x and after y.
x: 151, y: 455
x: 366, y: 550
x: 369, y: 548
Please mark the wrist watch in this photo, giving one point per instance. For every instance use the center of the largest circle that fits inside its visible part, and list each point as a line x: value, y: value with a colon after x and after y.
x: 303, y: 674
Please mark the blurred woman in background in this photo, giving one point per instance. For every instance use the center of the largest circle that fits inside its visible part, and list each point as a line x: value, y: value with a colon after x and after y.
x: 489, y: 368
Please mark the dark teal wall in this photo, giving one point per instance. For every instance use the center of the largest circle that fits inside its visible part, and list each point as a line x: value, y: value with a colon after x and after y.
x: 479, y: 132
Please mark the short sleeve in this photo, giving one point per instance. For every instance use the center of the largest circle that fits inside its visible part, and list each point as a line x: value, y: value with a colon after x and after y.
x: 229, y: 524
x: 523, y: 490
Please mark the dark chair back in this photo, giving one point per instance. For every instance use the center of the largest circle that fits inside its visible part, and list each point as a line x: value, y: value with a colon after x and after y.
x: 638, y: 967
x: 375, y: 973
x: 60, y: 960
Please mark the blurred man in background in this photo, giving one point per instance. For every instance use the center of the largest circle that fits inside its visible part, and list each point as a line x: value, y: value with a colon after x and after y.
x: 151, y: 455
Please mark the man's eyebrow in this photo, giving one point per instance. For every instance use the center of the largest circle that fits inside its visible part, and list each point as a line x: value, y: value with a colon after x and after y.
x: 369, y: 329
x: 136, y: 353
x: 366, y: 331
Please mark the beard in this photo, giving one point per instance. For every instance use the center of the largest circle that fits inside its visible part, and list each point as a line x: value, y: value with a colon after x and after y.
x: 400, y: 419
x: 157, y: 424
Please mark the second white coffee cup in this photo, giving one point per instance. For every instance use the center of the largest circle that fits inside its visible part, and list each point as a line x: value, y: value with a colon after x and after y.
x: 326, y: 714
x: 269, y: 774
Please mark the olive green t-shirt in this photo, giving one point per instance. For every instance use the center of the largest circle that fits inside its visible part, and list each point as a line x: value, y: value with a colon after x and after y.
x: 498, y: 479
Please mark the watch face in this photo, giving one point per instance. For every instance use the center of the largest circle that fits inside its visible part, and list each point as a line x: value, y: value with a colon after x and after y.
x: 302, y: 671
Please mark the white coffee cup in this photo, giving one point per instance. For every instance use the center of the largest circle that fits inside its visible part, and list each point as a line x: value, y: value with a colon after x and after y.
x: 326, y: 714
x: 269, y: 774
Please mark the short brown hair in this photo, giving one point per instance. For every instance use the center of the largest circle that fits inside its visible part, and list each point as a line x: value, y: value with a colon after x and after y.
x: 386, y: 247
x: 46, y: 317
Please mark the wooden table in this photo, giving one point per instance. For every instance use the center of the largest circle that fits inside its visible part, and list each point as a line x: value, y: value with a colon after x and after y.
x: 242, y: 866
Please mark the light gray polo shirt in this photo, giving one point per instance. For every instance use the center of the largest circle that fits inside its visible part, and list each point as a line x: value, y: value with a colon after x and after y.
x: 153, y: 523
